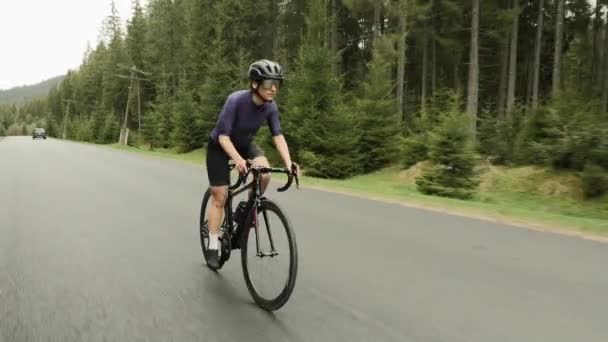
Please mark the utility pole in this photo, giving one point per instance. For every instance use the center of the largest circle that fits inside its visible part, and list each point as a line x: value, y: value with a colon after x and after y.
x: 123, y: 127
x: 132, y: 71
x: 65, y: 117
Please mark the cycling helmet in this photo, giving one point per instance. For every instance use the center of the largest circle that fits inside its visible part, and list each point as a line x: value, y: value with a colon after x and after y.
x: 265, y: 70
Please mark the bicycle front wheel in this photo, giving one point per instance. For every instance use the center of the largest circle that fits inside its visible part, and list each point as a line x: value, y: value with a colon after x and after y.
x: 269, y: 257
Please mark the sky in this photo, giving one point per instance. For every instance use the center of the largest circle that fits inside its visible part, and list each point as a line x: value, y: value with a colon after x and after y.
x: 40, y: 39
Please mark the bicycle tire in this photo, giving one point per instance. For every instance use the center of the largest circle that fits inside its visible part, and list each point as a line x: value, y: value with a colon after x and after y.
x: 272, y: 304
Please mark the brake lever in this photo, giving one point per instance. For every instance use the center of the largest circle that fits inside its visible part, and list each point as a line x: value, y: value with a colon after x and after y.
x: 294, y: 174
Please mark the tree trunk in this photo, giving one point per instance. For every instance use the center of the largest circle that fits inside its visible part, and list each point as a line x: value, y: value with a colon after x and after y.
x: 406, y: 109
x: 605, y: 72
x: 559, y: 35
x: 603, y: 55
x: 425, y: 71
x: 334, y: 36
x: 433, y: 50
x: 457, y: 81
x: 401, y: 61
x: 473, y: 86
x: 530, y: 80
x: 602, y: 72
x: 504, y: 71
x: 513, y: 60
x: 537, y: 52
x: 377, y: 15
x: 434, y: 68
x: 596, y: 66
x: 277, y: 52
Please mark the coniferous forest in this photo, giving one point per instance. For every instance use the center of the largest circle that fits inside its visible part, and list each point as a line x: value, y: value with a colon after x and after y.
x: 370, y: 83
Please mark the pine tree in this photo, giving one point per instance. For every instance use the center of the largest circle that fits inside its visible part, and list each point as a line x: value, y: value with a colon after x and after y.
x: 136, y: 35
x: 321, y: 130
x: 187, y: 134
x: 115, y: 89
x: 452, y: 171
x: 111, y: 129
x: 377, y: 110
x: 222, y: 76
x: 198, y: 21
x: 97, y: 126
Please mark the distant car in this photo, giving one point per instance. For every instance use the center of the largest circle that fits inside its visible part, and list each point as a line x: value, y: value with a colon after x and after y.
x: 39, y: 133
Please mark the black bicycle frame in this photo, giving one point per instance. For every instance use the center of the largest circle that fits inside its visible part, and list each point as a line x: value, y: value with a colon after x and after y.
x: 253, y: 203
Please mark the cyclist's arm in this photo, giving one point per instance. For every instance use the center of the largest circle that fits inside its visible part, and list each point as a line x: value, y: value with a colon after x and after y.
x: 228, y: 146
x: 224, y: 126
x: 281, y: 145
x: 278, y: 138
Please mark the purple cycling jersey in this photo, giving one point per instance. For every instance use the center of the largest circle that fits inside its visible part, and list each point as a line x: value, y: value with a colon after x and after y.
x: 241, y: 118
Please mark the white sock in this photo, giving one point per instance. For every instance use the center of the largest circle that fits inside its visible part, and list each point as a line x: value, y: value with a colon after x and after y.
x: 213, y: 242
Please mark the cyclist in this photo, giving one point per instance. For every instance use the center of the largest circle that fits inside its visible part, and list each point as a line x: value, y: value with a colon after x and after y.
x: 232, y: 138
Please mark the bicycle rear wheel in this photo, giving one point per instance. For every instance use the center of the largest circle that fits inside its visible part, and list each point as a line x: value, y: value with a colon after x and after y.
x: 269, y: 289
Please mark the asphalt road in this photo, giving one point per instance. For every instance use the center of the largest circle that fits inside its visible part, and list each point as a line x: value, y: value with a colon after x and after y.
x: 102, y: 245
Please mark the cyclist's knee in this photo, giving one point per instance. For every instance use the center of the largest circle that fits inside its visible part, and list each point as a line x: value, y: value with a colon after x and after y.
x: 262, y: 162
x: 266, y: 178
x: 219, y: 194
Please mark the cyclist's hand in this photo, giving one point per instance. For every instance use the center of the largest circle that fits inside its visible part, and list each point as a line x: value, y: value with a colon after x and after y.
x: 241, y: 165
x: 295, y: 169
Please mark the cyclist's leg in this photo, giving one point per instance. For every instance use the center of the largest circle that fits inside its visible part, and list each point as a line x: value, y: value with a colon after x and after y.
x: 216, y: 210
x: 218, y: 173
x: 262, y: 161
x: 256, y: 154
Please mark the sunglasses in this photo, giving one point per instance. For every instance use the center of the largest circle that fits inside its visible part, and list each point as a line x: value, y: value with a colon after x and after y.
x: 267, y: 84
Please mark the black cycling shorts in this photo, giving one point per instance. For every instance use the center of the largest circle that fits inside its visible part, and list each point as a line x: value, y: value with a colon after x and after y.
x: 218, y: 169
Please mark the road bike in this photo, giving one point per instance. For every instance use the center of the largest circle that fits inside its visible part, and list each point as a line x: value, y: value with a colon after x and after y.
x: 249, y: 223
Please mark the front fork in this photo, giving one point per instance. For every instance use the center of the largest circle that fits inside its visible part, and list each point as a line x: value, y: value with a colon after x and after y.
x: 256, y: 225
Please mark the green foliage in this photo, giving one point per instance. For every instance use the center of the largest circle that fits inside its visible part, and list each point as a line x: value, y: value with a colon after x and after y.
x: 452, y: 170
x: 14, y: 129
x: 497, y: 135
x: 81, y: 130
x: 414, y: 149
x: 52, y: 129
x: 322, y: 131
x: 223, y: 78
x: 331, y: 150
x: 187, y: 134
x: 135, y: 41
x: 97, y: 125
x: 112, y: 54
x: 594, y: 181
x: 415, y: 144
x: 339, y: 113
x: 565, y: 135
x: 159, y: 125
x: 379, y: 121
x: 111, y: 129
